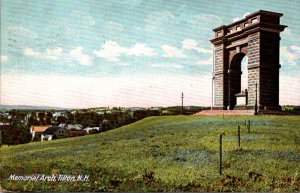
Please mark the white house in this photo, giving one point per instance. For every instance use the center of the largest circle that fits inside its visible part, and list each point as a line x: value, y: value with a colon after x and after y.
x: 88, y: 129
x: 71, y: 126
x: 36, y: 131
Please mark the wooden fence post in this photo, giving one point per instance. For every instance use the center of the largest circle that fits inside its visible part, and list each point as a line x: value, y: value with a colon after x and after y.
x: 0, y: 139
x: 248, y: 126
x: 220, y: 167
x: 239, y: 136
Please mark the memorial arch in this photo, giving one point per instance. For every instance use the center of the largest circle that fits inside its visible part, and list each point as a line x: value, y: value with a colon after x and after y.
x: 256, y: 36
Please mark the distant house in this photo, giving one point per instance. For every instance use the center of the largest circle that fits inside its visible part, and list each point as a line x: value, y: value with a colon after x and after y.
x: 54, y: 133
x: 4, y: 123
x: 71, y: 126
x: 156, y: 108
x: 136, y: 108
x: 59, y: 113
x: 89, y: 129
x: 37, y: 131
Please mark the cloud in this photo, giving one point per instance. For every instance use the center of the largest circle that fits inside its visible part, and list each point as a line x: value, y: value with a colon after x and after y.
x: 208, y: 18
x: 289, y: 55
x: 248, y: 13
x: 167, y: 65
x: 3, y: 58
x: 57, y: 53
x: 77, y: 55
x: 141, y: 49
x: 31, y: 52
x: 173, y: 52
x: 190, y: 44
x: 294, y: 52
x: 237, y: 18
x: 111, y: 51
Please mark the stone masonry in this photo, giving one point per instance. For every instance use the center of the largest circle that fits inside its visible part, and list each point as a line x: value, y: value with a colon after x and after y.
x: 257, y: 36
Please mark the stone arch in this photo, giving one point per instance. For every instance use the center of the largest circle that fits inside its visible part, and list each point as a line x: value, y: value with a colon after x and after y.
x: 257, y: 36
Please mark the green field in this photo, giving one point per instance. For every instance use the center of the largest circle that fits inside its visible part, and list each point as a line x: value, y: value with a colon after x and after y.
x: 169, y: 153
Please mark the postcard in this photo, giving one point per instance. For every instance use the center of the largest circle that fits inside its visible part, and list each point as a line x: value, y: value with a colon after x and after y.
x: 149, y: 96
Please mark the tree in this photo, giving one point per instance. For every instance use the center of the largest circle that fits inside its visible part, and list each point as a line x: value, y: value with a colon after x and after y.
x: 33, y: 119
x: 61, y: 119
x: 17, y: 116
x: 94, y: 131
x: 15, y: 134
x: 41, y: 116
x: 3, y: 118
x: 70, y: 118
x: 49, y: 118
x: 140, y: 114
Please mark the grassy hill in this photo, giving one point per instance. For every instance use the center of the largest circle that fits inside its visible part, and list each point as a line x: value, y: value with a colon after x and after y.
x: 170, y: 153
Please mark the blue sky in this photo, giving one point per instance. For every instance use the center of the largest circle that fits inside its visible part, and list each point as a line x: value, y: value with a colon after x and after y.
x: 140, y: 53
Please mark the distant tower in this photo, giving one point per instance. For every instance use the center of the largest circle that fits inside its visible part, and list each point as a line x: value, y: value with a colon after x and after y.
x: 182, y: 96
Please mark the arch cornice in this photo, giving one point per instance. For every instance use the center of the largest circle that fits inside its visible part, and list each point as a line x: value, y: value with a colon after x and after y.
x: 259, y: 21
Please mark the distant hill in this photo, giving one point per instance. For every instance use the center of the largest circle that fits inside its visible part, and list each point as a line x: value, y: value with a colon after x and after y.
x: 27, y: 107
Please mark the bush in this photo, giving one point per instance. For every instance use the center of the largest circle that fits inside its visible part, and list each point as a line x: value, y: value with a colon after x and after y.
x: 94, y: 131
x: 15, y: 134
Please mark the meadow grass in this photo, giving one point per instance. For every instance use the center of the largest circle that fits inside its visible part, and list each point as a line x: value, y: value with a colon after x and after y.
x: 169, y: 153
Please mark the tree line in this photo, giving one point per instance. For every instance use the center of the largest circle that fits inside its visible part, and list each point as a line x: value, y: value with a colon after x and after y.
x: 17, y: 129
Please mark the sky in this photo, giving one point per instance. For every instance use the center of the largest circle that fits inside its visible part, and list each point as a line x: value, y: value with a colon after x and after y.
x: 96, y: 53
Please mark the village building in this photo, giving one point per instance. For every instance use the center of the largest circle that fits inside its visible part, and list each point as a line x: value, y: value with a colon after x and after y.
x: 54, y: 133
x: 71, y: 126
x: 4, y: 123
x: 37, y: 131
x: 89, y: 129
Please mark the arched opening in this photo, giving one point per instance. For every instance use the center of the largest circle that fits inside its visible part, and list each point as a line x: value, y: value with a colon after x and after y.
x: 238, y: 79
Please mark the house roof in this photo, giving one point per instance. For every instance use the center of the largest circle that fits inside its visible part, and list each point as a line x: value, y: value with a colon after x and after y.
x: 52, y: 130
x: 40, y: 128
